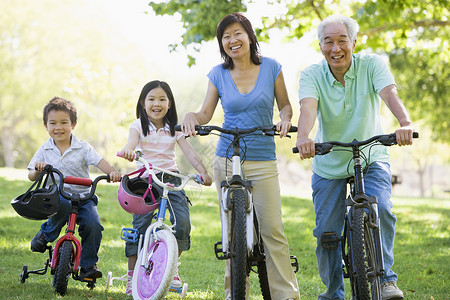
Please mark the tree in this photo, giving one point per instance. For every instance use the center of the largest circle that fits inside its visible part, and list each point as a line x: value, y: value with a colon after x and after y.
x: 414, y: 34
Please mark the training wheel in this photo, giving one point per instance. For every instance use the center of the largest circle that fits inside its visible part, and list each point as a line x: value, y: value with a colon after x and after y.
x: 109, y: 280
x: 184, y: 290
x: 24, y: 274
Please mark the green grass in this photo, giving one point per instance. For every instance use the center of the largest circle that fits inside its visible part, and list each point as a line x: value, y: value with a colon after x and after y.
x: 421, y: 251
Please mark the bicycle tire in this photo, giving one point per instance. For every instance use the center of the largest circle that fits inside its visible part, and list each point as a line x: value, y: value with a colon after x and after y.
x: 347, y: 256
x: 63, y: 269
x: 373, y: 278
x: 260, y: 257
x: 359, y: 254
x: 162, y: 258
x: 263, y: 280
x: 238, y: 246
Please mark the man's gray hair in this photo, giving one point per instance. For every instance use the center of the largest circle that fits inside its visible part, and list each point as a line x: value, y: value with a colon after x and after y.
x: 351, y: 24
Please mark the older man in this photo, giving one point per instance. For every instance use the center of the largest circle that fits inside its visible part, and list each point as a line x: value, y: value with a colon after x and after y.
x: 342, y: 93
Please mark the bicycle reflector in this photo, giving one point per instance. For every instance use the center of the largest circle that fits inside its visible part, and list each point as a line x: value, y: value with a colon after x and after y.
x: 137, y: 196
x: 38, y: 203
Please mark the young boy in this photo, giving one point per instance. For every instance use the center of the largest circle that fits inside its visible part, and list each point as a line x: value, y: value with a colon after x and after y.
x: 64, y: 151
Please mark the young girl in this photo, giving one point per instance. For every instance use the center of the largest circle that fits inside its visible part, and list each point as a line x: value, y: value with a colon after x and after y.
x: 154, y: 134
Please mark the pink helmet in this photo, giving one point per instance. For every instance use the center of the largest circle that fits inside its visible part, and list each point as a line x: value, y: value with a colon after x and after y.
x: 137, y: 196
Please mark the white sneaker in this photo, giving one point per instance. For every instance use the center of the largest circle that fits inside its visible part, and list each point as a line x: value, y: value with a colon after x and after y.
x: 176, y: 281
x: 129, y: 290
x: 390, y: 291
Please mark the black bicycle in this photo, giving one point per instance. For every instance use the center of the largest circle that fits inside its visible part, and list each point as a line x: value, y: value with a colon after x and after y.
x: 241, y: 240
x: 361, y: 240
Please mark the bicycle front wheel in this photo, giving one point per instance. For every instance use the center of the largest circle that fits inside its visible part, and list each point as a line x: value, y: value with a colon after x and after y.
x: 63, y: 269
x: 160, y: 256
x: 238, y: 245
x: 364, y: 257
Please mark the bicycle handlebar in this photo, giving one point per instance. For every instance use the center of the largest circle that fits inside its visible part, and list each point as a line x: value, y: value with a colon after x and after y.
x: 383, y: 139
x: 206, y: 129
x: 77, y: 181
x: 150, y: 168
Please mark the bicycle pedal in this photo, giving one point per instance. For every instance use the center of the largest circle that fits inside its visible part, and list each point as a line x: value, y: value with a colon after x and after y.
x: 129, y: 235
x: 218, y: 250
x: 294, y: 263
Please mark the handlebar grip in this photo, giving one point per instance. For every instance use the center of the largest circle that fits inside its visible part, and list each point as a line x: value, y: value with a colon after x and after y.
x: 177, y: 127
x: 415, y: 135
x: 293, y: 129
x: 78, y: 181
x: 295, y: 150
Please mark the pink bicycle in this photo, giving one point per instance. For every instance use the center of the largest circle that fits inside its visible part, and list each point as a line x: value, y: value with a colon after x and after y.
x: 158, y: 250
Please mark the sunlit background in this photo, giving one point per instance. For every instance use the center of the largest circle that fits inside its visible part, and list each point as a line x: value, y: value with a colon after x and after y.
x: 100, y: 53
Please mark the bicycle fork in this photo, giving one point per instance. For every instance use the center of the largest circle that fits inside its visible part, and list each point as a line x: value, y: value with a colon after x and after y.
x: 370, y: 204
x: 226, y: 206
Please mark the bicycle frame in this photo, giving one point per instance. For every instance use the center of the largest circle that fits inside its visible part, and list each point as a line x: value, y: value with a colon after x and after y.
x: 159, y: 224
x: 228, y: 186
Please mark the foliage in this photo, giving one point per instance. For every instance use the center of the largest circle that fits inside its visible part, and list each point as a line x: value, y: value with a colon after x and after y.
x: 63, y: 52
x: 414, y: 34
x: 422, y: 248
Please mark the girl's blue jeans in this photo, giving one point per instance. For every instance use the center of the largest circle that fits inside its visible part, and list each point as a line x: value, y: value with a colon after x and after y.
x: 89, y: 229
x: 329, y: 206
x: 179, y: 210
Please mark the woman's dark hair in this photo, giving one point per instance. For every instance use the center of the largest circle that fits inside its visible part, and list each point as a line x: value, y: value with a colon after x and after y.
x: 170, y: 118
x: 254, y: 45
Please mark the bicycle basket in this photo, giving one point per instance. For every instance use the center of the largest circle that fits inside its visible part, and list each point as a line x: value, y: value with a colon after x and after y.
x: 138, y: 196
x: 39, y: 202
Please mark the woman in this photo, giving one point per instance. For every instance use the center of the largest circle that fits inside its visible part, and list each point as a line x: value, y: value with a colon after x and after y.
x: 247, y: 85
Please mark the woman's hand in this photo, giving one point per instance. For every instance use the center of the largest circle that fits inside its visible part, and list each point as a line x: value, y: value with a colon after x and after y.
x: 283, y: 128
x: 188, y: 124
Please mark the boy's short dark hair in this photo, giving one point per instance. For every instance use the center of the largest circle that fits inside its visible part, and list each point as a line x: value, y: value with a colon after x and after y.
x: 58, y: 103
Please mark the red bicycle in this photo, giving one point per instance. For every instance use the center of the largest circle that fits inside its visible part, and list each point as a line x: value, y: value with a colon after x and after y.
x: 64, y: 258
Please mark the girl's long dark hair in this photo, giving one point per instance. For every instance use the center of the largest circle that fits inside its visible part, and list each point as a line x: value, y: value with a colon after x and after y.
x: 170, y: 118
x: 254, y: 45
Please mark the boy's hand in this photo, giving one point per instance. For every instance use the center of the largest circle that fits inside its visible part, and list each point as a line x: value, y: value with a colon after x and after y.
x: 115, y: 176
x: 39, y: 166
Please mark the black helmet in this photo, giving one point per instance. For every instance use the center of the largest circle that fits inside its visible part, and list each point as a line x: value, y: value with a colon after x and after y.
x: 38, y: 203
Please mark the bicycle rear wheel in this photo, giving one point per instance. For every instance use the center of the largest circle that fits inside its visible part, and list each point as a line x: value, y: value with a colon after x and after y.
x: 63, y: 269
x: 259, y: 259
x: 161, y: 256
x: 238, y: 246
x: 360, y: 253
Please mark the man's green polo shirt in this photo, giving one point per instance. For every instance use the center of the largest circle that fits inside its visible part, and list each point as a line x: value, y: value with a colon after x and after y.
x: 346, y: 113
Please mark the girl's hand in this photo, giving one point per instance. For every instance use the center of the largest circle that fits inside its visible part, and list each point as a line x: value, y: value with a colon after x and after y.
x: 115, y: 176
x: 128, y: 154
x: 283, y: 128
x: 207, y: 180
x: 188, y: 124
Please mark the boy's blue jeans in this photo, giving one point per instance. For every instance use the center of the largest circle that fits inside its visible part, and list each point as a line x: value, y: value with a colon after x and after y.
x: 89, y: 229
x: 329, y: 207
